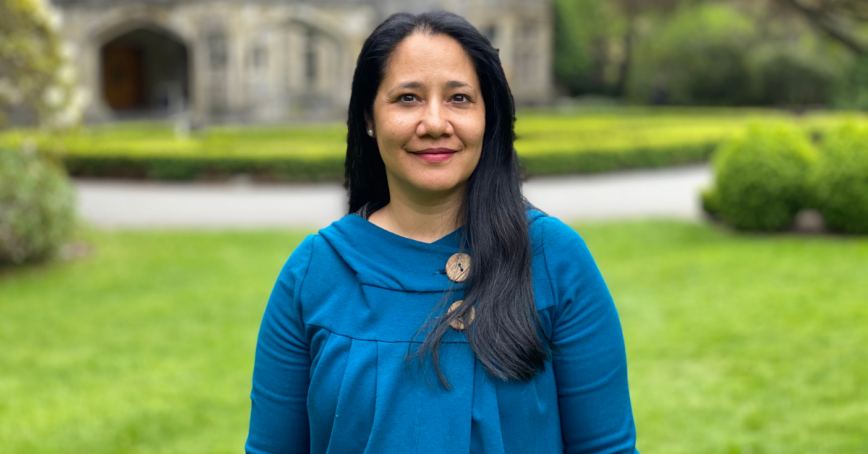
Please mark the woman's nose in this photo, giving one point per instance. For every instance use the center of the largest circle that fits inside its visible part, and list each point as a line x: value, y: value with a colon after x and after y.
x: 433, y: 122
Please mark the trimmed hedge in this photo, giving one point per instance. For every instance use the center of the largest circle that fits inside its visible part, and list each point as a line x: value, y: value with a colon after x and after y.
x: 182, y: 168
x: 37, y: 206
x: 762, y: 177
x: 539, y: 164
x: 332, y: 168
x: 841, y: 179
x: 547, y: 143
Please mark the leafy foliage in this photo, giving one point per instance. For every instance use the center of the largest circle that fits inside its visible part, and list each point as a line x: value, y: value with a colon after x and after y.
x: 694, y: 57
x: 148, y: 150
x: 762, y: 177
x: 730, y: 52
x: 793, y: 74
x: 840, y: 20
x: 584, y: 33
x: 709, y: 202
x: 841, y: 179
x: 37, y: 206
x: 852, y: 89
x: 582, y: 141
x: 35, y: 76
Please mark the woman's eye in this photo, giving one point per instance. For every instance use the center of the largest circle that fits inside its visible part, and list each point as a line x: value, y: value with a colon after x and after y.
x: 461, y: 98
x: 407, y: 98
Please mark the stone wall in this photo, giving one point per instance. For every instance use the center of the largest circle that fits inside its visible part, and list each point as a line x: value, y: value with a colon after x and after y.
x: 274, y: 61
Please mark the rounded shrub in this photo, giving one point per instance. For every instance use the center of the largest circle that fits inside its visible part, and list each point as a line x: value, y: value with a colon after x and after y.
x: 709, y: 202
x: 841, y: 179
x: 762, y: 177
x: 37, y: 206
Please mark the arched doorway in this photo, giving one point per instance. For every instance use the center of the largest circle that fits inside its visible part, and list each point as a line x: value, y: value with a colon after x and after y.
x: 145, y: 71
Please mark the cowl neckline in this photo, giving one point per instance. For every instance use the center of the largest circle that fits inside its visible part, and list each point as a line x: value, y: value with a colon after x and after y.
x: 384, y: 259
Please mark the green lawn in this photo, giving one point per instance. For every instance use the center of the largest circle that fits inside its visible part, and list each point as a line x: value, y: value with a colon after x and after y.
x: 548, y: 143
x: 736, y: 344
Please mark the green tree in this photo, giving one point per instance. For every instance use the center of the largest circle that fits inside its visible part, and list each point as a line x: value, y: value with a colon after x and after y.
x: 844, y: 21
x: 36, y: 80
x: 694, y: 56
x: 585, y: 31
x: 594, y: 42
x: 852, y: 88
x: 632, y: 11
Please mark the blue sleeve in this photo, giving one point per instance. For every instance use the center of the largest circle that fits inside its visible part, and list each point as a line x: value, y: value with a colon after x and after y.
x: 590, y: 363
x: 281, y: 371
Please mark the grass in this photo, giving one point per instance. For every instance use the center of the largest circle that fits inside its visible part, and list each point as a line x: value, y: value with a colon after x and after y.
x: 740, y: 344
x: 736, y: 344
x: 548, y: 143
x: 145, y: 347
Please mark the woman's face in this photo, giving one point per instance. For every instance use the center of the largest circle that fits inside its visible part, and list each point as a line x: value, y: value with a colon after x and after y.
x: 429, y: 116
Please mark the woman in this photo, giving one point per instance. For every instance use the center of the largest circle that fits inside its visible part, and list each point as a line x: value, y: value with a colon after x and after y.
x: 444, y: 315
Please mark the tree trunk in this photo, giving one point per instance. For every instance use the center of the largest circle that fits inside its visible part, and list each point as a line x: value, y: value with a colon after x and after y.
x: 626, y: 62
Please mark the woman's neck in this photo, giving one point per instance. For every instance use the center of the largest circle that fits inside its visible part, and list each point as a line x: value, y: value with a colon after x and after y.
x: 425, y: 219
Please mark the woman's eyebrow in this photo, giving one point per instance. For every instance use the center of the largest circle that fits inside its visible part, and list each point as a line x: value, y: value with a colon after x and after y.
x: 457, y: 84
x: 408, y: 86
x: 414, y: 85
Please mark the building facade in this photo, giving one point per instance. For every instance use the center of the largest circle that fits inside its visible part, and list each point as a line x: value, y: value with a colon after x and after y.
x: 255, y: 61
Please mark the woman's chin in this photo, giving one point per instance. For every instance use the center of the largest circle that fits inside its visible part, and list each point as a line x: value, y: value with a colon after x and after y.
x: 438, y: 187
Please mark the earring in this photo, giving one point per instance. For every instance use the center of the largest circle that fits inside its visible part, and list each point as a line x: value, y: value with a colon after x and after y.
x: 371, y: 132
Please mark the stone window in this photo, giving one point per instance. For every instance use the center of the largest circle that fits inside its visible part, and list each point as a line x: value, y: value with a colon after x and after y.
x: 529, y: 32
x: 527, y: 54
x: 310, y: 60
x: 217, y: 57
x: 259, y: 57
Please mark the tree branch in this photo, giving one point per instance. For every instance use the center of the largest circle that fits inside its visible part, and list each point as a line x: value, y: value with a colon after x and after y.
x: 821, y: 20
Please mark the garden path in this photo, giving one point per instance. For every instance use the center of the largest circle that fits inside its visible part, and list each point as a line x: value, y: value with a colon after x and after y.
x: 671, y: 193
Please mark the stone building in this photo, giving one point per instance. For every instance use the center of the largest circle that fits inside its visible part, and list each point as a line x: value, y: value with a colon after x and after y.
x: 266, y: 60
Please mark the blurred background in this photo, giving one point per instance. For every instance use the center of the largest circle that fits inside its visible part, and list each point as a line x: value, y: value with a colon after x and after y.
x: 160, y: 160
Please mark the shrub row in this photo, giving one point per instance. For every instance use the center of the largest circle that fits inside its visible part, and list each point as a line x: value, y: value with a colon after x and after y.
x: 590, y: 161
x: 187, y: 168
x: 765, y: 176
x: 331, y: 168
x: 547, y: 143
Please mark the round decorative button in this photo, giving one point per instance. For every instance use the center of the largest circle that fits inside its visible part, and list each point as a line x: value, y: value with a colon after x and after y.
x: 459, y: 323
x: 458, y: 267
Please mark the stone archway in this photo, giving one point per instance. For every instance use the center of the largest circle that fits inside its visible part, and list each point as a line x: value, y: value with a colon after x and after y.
x: 145, y: 70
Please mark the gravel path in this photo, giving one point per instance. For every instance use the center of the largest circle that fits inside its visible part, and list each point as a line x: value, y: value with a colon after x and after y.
x: 671, y: 193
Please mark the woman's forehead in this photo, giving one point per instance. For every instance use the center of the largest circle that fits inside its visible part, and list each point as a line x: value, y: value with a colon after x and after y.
x: 427, y: 59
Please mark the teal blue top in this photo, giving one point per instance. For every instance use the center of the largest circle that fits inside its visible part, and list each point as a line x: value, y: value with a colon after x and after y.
x: 332, y: 376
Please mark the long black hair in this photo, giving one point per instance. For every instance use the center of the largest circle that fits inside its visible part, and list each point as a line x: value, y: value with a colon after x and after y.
x: 506, y: 334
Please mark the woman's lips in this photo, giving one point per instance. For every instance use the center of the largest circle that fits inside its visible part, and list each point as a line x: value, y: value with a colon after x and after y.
x: 435, y: 154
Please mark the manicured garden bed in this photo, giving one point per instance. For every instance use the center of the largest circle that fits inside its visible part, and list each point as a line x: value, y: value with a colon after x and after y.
x: 736, y: 343
x: 549, y: 143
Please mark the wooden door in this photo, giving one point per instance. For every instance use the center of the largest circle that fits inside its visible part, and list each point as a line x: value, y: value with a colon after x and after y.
x: 122, y: 78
